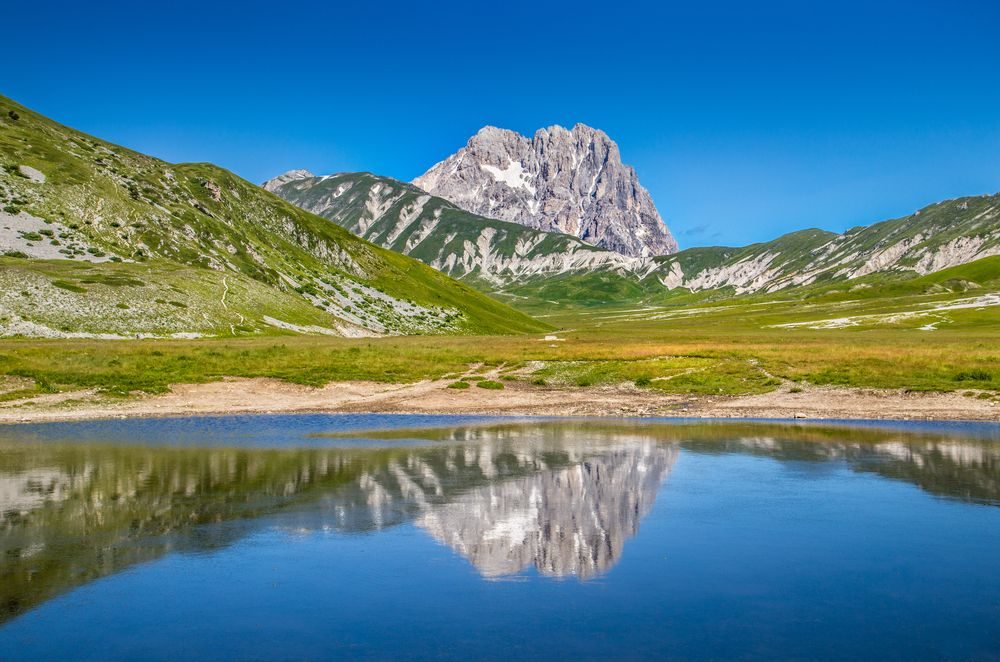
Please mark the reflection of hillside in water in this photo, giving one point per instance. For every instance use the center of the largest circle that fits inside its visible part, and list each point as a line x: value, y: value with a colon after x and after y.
x: 560, y: 498
x: 73, y: 513
x: 969, y: 471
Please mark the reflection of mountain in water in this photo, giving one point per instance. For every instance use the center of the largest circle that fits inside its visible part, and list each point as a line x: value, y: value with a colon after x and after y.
x: 569, y: 521
x: 506, y: 505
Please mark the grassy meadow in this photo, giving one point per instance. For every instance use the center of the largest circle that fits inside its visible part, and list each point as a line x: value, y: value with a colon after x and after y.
x: 921, y: 337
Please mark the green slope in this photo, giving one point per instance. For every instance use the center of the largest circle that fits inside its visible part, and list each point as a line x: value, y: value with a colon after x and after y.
x: 106, y: 205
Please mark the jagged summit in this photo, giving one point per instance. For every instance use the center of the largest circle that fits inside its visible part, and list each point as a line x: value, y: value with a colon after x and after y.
x: 563, y: 180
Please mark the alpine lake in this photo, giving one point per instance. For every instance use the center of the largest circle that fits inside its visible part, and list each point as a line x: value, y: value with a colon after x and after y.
x: 414, y: 537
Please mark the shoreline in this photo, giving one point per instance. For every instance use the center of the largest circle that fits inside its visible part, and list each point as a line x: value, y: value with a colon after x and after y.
x: 270, y: 396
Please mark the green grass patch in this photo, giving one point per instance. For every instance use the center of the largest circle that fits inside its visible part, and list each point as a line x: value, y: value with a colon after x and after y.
x: 66, y: 285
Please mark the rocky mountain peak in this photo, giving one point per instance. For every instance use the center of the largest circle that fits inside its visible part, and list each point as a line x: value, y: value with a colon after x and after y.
x: 290, y: 176
x: 563, y: 180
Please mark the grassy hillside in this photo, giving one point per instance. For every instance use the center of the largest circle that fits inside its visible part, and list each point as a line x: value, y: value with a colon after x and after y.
x: 939, y: 236
x: 53, y: 298
x: 66, y: 195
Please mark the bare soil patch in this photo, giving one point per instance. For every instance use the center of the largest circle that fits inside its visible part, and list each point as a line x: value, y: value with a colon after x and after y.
x: 241, y: 396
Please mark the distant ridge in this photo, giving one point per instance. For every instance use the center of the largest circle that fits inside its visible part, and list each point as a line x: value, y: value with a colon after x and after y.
x: 498, y: 255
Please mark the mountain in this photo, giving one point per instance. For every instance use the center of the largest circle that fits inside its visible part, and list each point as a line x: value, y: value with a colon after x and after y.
x: 572, y: 182
x: 499, y: 256
x: 939, y: 236
x: 935, y: 239
x: 405, y: 219
x: 99, y: 241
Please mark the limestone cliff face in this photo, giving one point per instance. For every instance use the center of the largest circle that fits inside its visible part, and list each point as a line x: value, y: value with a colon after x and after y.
x: 568, y: 181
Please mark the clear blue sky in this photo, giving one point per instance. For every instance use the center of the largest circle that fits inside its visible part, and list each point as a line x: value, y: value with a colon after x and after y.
x: 745, y: 120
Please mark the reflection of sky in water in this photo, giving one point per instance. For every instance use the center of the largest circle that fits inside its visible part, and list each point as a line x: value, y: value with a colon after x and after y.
x: 692, y: 522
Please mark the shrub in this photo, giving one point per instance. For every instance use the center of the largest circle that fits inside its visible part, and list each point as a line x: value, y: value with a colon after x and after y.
x: 490, y: 384
x: 459, y: 385
x: 643, y: 381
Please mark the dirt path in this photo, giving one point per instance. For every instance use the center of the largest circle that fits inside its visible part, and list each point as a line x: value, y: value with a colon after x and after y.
x: 234, y: 396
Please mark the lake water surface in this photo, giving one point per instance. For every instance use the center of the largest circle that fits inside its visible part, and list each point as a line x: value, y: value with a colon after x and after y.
x: 304, y: 537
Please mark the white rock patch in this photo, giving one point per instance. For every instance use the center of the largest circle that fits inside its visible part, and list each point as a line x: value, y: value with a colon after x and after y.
x: 310, y: 329
x: 31, y: 173
x: 984, y: 301
x: 14, y: 228
x: 957, y: 251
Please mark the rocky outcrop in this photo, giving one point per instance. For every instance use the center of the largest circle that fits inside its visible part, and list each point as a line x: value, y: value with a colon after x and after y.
x: 572, y: 182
